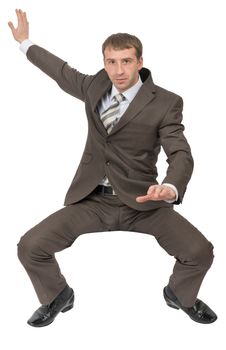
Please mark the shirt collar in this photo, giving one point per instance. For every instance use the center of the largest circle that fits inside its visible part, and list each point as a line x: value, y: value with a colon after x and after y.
x: 130, y: 93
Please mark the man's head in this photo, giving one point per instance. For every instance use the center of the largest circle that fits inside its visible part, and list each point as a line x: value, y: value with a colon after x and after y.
x: 122, y: 59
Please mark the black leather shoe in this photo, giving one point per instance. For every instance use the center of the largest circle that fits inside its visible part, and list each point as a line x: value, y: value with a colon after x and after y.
x: 47, y: 313
x: 200, y: 312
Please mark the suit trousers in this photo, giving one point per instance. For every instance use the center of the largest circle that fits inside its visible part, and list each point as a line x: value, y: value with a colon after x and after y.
x: 104, y: 212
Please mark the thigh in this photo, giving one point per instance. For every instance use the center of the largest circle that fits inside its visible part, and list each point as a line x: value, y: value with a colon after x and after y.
x: 59, y: 230
x: 173, y: 232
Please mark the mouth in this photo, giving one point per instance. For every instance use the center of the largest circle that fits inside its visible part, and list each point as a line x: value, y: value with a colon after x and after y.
x: 121, y: 80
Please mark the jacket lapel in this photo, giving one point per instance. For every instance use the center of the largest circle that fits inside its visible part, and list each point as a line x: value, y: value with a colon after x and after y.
x: 100, y: 88
x: 144, y: 96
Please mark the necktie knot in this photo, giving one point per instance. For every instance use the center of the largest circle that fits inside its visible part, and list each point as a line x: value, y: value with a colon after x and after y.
x: 119, y: 97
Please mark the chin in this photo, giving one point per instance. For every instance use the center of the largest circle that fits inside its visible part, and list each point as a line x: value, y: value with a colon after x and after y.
x: 121, y: 87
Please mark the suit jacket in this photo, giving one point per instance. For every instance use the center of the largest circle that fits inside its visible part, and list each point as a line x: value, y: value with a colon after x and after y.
x: 128, y: 155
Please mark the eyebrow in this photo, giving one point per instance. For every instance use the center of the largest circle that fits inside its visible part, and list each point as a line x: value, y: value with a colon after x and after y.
x: 124, y: 58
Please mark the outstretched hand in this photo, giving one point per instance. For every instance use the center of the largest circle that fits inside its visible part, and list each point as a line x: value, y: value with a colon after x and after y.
x: 158, y: 193
x: 22, y: 31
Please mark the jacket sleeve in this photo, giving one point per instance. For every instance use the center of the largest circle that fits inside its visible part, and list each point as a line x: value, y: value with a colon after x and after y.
x: 177, y: 149
x: 69, y: 79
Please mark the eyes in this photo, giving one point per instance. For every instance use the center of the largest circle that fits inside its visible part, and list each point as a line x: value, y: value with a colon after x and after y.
x: 125, y: 61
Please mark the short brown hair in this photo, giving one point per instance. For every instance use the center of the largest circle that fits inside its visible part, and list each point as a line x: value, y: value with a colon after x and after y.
x: 121, y: 41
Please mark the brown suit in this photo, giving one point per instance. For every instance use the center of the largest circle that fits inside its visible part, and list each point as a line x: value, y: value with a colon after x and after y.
x: 128, y: 157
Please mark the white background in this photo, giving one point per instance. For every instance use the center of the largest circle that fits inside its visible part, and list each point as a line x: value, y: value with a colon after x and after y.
x: 117, y: 283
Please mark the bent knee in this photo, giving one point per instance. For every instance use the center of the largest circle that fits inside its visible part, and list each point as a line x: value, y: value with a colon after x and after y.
x: 203, y: 254
x: 23, y: 249
x: 27, y: 247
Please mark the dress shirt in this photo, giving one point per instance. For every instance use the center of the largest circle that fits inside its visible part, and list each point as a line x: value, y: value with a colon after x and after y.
x: 129, y: 95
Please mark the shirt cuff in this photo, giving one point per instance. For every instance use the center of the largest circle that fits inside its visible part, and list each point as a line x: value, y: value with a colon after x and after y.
x: 175, y: 190
x: 24, y: 46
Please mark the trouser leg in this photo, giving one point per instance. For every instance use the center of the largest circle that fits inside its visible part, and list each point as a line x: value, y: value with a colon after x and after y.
x: 192, y: 251
x: 37, y: 248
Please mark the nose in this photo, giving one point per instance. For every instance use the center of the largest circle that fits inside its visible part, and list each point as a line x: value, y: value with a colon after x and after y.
x: 120, y: 70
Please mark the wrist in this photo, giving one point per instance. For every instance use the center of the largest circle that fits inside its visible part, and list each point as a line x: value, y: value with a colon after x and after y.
x: 20, y: 40
x: 174, y: 190
x: 25, y: 45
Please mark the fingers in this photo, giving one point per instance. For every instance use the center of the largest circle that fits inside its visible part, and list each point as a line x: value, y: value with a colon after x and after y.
x: 20, y: 20
x: 143, y: 199
x: 25, y: 18
x: 157, y: 193
x: 21, y: 17
x: 11, y: 26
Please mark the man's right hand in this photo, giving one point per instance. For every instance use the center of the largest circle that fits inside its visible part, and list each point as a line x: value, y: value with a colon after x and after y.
x: 20, y: 33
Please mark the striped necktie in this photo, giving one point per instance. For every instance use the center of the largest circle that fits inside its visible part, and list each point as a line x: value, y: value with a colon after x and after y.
x: 109, y: 117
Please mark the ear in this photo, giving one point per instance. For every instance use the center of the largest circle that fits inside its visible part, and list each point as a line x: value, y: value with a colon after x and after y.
x: 140, y: 63
x: 104, y: 62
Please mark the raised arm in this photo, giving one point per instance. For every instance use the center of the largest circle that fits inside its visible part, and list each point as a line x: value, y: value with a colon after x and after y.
x: 69, y: 79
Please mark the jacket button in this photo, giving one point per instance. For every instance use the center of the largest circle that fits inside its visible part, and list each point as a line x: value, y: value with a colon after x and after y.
x: 107, y: 162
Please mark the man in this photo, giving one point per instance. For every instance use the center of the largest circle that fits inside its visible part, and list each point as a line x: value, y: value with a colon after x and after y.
x: 115, y: 187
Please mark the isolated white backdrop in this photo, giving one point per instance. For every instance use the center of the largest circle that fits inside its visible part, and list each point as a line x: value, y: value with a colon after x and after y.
x: 118, y: 287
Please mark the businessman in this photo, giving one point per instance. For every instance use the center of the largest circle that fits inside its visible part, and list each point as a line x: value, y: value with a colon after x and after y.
x: 115, y: 186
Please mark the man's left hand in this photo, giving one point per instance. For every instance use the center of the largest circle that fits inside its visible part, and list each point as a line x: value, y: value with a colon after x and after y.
x: 158, y: 193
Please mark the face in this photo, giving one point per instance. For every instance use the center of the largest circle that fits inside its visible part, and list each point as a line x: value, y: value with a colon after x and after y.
x: 122, y: 67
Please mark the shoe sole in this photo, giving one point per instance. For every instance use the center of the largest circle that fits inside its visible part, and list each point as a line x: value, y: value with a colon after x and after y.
x: 172, y: 306
x: 68, y: 308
